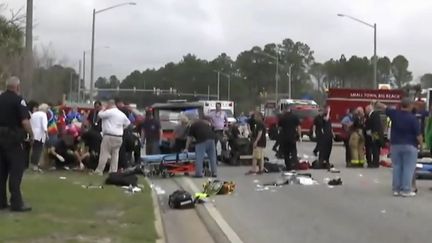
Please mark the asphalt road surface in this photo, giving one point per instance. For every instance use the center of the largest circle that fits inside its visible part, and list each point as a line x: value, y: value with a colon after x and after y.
x: 362, y: 210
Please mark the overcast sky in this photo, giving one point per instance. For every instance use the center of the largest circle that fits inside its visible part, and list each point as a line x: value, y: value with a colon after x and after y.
x: 155, y: 32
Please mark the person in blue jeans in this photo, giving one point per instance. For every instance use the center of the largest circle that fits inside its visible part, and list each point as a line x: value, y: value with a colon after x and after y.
x: 405, y: 139
x: 204, y: 136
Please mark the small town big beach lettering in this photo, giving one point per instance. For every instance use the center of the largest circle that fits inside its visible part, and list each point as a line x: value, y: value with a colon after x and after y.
x: 374, y: 96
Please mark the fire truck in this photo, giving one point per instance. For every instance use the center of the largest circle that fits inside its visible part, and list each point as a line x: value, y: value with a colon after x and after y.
x: 305, y: 110
x: 341, y: 100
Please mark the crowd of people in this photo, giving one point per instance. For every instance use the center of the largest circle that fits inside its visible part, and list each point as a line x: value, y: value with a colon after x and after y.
x: 113, y: 134
x: 364, y: 137
x: 77, y: 140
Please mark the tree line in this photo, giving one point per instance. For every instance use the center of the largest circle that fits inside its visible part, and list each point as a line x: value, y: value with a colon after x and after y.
x: 50, y: 79
x: 252, y: 72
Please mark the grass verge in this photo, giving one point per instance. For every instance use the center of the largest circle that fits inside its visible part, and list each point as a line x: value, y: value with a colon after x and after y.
x: 64, y: 211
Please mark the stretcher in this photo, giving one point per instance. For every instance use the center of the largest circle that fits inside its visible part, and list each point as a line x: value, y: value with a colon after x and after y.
x: 171, y: 164
x: 424, y: 168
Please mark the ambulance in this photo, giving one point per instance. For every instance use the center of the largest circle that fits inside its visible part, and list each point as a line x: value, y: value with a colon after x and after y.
x: 227, y: 106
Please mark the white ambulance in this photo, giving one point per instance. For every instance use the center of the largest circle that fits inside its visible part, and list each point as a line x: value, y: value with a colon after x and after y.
x: 227, y: 106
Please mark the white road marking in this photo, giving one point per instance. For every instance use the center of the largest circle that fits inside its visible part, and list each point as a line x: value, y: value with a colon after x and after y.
x: 215, y: 214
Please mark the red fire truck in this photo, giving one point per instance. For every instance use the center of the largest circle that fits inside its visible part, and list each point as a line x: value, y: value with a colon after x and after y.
x: 341, y: 100
x: 306, y: 110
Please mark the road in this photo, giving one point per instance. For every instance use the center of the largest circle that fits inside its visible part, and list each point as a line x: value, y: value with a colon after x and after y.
x: 362, y: 210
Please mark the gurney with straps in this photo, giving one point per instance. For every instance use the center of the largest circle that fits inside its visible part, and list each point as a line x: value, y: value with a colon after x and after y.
x: 171, y: 164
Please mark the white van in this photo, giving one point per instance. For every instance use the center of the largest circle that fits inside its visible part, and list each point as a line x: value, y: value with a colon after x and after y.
x: 227, y: 106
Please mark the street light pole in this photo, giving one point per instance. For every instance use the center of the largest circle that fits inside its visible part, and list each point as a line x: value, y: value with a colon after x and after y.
x: 277, y: 75
x: 290, y: 82
x: 84, y: 73
x: 93, y: 40
x: 229, y: 87
x: 218, y: 85
x: 92, y: 58
x: 79, y: 82
x: 375, y: 61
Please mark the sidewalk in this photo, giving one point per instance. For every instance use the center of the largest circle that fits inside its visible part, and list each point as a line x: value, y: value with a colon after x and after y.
x: 180, y: 226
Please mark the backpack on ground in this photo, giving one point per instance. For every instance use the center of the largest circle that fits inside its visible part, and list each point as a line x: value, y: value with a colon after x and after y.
x: 273, y: 167
x: 121, y: 179
x: 181, y: 199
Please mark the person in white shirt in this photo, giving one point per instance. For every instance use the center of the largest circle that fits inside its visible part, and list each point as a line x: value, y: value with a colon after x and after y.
x: 39, y: 124
x: 113, y: 123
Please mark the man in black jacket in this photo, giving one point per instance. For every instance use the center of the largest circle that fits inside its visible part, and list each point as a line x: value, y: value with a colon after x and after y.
x: 374, y: 136
x: 290, y: 133
x: 318, y: 130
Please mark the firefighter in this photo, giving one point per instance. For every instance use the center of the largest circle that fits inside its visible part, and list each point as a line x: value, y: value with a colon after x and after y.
x: 357, y: 140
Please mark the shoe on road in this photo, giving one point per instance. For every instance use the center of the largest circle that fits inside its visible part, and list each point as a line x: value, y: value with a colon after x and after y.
x: 3, y: 207
x: 22, y: 209
x: 408, y: 194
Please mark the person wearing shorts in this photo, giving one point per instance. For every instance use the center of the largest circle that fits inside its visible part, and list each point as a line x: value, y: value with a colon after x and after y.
x: 259, y: 144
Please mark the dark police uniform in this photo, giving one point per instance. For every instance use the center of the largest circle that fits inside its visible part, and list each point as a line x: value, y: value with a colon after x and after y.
x: 288, y: 138
x: 12, y: 134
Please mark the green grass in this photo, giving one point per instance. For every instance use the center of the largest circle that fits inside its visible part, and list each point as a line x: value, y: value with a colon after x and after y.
x: 63, y: 211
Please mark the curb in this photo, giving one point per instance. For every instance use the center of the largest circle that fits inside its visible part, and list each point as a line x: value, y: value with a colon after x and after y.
x: 160, y: 230
x: 218, y: 228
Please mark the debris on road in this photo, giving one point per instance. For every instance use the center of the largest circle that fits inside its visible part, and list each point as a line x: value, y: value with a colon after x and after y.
x: 157, y: 189
x: 291, y: 178
x: 131, y: 189
x: 62, y: 178
x: 90, y: 186
x: 334, y: 170
x: 335, y: 182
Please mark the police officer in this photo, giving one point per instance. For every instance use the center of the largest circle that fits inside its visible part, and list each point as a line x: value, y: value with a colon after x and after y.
x: 14, y: 126
x: 290, y: 133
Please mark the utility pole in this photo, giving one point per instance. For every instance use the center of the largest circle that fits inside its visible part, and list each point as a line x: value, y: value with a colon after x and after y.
x: 79, y: 82
x: 218, y: 85
x: 208, y: 92
x: 290, y: 82
x: 70, y: 86
x: 84, y: 69
x: 229, y: 87
x: 29, y: 49
x: 92, y: 57
x: 375, y: 62
x: 277, y: 75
